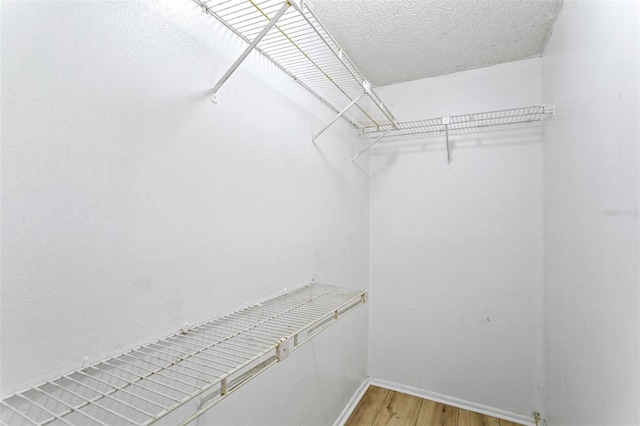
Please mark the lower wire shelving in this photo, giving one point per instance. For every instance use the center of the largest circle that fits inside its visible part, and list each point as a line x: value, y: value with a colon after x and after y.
x: 211, y: 360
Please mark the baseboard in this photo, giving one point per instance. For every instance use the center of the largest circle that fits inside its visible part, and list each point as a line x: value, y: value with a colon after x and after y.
x: 351, y: 405
x: 444, y: 399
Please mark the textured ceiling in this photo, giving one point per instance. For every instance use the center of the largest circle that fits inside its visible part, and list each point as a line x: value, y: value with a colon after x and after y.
x: 391, y: 41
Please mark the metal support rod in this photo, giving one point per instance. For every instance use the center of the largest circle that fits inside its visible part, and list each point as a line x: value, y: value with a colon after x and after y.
x: 371, y: 144
x: 446, y: 120
x: 248, y: 50
x: 446, y: 132
x: 340, y: 114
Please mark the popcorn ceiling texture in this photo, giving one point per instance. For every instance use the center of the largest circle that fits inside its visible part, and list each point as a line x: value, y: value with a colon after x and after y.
x: 402, y: 40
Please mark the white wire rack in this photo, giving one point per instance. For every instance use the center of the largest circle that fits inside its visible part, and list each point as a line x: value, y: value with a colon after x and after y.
x: 462, y: 123
x: 290, y: 35
x: 210, y: 360
x: 456, y: 124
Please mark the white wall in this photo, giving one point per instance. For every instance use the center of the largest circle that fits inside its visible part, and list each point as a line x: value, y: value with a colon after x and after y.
x: 591, y: 186
x: 456, y: 253
x: 132, y: 204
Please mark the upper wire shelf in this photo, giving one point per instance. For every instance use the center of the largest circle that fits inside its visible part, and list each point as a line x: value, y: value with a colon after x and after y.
x: 455, y: 124
x: 301, y: 46
x: 464, y: 123
x: 211, y: 360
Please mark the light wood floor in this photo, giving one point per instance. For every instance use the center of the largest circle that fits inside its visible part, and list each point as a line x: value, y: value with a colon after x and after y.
x: 380, y: 406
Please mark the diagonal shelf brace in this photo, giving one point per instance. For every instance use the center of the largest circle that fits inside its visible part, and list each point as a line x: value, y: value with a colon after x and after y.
x: 375, y: 141
x: 249, y: 48
x: 340, y: 114
x: 305, y: 50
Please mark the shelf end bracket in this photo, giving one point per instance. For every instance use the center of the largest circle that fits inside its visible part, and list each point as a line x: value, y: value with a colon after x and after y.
x: 549, y: 109
x: 282, y: 349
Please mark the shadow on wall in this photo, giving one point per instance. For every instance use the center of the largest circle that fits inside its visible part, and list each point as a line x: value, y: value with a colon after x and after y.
x: 411, y: 144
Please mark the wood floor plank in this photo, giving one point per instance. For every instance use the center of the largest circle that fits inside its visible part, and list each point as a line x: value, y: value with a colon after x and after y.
x: 437, y: 414
x: 490, y: 421
x: 367, y: 409
x: 469, y: 418
x: 384, y: 407
x: 401, y: 410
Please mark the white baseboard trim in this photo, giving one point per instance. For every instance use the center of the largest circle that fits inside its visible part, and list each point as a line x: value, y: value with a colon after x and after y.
x: 433, y: 396
x: 351, y: 405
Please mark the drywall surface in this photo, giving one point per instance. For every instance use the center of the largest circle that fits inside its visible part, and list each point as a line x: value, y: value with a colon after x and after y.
x: 131, y: 204
x: 456, y: 252
x: 591, y: 186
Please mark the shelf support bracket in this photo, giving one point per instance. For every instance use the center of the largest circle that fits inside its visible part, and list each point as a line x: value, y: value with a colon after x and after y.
x: 248, y: 50
x: 549, y: 109
x: 445, y: 121
x: 375, y: 141
x: 282, y: 349
x: 341, y: 113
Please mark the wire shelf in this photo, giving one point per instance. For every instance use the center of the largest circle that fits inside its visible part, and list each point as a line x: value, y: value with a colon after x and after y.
x: 465, y: 123
x: 213, y: 359
x: 301, y: 47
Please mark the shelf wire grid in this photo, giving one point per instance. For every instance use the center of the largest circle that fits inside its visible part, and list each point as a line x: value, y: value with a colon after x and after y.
x: 302, y: 47
x: 213, y: 359
x: 465, y: 123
